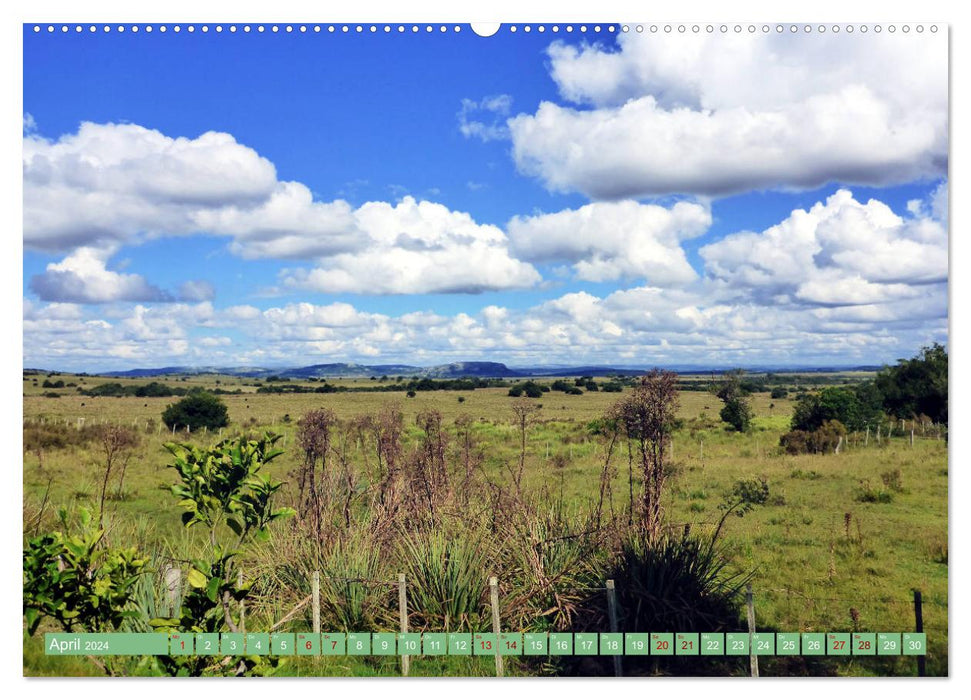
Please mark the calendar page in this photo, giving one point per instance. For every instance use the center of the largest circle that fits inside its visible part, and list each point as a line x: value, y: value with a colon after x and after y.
x: 432, y: 349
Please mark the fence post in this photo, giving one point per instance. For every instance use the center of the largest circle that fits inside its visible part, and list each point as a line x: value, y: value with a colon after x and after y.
x: 242, y: 604
x: 911, y: 436
x: 612, y: 615
x: 753, y: 660
x: 866, y: 440
x: 919, y: 620
x: 316, y: 601
x: 403, y: 619
x: 172, y: 578
x: 494, y: 601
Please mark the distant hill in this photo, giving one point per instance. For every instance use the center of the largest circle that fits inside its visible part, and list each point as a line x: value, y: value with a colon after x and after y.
x: 456, y: 370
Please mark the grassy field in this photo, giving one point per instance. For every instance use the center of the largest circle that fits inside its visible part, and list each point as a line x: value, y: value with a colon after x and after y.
x: 827, y: 554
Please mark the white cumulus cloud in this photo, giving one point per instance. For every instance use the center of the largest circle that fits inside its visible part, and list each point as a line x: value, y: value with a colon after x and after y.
x: 614, y: 240
x: 717, y: 115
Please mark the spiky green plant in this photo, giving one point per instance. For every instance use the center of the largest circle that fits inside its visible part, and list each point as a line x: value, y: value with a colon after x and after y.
x: 447, y: 575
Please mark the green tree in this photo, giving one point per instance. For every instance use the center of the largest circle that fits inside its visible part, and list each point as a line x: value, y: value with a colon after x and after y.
x: 737, y: 411
x: 224, y: 490
x: 195, y: 411
x: 917, y: 386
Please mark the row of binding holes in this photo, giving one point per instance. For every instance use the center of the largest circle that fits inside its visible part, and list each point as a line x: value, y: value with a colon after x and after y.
x: 766, y: 28
x: 414, y: 28
x: 303, y: 28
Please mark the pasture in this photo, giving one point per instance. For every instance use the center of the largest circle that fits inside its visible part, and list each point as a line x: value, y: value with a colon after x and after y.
x: 827, y: 554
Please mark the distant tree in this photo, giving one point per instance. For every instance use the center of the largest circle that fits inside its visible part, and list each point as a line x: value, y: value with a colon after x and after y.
x: 779, y: 393
x: 524, y: 412
x: 917, y: 386
x: 852, y: 407
x: 195, y: 411
x: 737, y: 411
x: 647, y: 417
x: 117, y: 443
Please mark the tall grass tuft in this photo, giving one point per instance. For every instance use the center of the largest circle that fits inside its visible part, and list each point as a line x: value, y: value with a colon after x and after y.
x: 446, y: 578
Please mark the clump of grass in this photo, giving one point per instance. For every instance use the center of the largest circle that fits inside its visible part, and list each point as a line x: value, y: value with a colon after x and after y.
x: 893, y: 480
x: 936, y: 547
x: 868, y: 494
x: 446, y: 578
x: 810, y: 475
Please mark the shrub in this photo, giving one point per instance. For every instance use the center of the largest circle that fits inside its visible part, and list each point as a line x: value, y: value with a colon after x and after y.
x: 893, y: 480
x: 779, y: 393
x: 200, y: 410
x: 822, y: 440
x: 867, y: 494
x: 737, y: 411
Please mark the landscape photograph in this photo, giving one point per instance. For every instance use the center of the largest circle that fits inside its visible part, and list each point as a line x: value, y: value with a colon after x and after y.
x: 450, y: 350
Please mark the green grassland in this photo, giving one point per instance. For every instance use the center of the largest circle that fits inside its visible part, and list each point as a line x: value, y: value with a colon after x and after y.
x: 825, y: 556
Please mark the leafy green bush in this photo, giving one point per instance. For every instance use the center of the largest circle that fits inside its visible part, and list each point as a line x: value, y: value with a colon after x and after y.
x: 195, y: 411
x: 77, y: 580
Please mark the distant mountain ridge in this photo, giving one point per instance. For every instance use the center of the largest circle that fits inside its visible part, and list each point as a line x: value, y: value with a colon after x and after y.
x: 454, y: 370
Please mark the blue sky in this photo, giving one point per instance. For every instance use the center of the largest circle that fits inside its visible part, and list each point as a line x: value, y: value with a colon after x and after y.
x: 531, y: 198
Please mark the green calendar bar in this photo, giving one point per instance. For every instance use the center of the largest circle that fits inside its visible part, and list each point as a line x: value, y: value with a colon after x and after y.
x: 686, y: 644
x: 489, y: 644
x: 460, y: 644
x: 637, y: 644
x: 106, y: 644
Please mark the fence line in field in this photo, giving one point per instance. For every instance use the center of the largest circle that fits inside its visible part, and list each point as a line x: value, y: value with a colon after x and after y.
x: 173, y: 582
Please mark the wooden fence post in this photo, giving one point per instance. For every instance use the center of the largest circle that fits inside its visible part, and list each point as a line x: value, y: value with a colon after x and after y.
x: 866, y: 440
x: 494, y: 601
x: 172, y: 578
x: 242, y: 604
x: 911, y: 436
x: 612, y: 615
x: 315, y: 593
x: 919, y: 627
x: 753, y: 660
x: 403, y: 619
